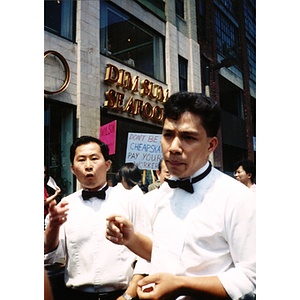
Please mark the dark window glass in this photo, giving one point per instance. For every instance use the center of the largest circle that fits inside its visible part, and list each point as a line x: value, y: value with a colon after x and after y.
x: 59, y: 18
x: 180, y: 8
x: 202, y: 18
x: 250, y: 18
x: 253, y: 114
x: 127, y: 39
x: 251, y: 61
x: 231, y: 99
x: 59, y: 133
x: 227, y: 35
x: 183, y: 65
x: 231, y: 155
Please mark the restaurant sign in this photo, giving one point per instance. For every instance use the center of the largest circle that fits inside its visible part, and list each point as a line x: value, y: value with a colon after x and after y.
x: 153, y: 95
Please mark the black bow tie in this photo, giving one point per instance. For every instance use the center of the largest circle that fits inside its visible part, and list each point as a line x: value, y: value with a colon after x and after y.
x: 186, y: 184
x: 86, y: 195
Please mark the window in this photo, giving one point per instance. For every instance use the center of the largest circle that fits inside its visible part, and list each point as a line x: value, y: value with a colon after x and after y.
x: 253, y: 114
x: 231, y: 99
x: 250, y: 18
x: 205, y: 63
x: 227, y: 35
x: 59, y: 133
x: 251, y: 61
x: 183, y: 65
x: 250, y: 25
x: 180, y: 8
x: 59, y: 18
x: 231, y: 5
x: 231, y: 155
x: 127, y: 39
x: 202, y: 18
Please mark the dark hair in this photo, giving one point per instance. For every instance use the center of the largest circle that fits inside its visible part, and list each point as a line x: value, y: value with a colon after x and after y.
x: 131, y: 174
x: 83, y: 140
x: 198, y: 104
x: 248, y: 166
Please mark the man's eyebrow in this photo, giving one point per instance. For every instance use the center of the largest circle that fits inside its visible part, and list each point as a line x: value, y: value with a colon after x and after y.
x: 190, y: 132
x: 88, y: 155
x: 194, y: 132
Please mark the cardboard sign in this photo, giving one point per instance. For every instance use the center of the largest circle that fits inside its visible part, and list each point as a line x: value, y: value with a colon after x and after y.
x: 108, y: 136
x: 144, y: 150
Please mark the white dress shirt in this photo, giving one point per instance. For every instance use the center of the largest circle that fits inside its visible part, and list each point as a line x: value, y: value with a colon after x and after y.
x: 150, y: 199
x: 210, y: 232
x: 93, y: 263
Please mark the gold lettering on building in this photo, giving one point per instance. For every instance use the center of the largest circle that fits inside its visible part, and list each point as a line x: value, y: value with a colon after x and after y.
x: 117, y: 100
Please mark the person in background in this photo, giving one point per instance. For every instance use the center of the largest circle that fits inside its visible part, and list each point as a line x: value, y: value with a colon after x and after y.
x: 154, y: 185
x: 129, y: 180
x: 204, y: 220
x: 95, y: 268
x: 129, y: 60
x: 129, y: 175
x: 245, y: 173
x: 162, y: 173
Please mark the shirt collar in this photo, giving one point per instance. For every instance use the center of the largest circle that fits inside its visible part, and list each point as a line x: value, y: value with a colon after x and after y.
x: 105, y: 184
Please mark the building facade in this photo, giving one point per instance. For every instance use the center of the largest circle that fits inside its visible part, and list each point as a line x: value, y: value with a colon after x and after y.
x: 120, y: 60
x: 227, y: 38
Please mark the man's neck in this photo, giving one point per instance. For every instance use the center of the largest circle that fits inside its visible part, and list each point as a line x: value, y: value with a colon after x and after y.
x: 249, y: 184
x: 100, y: 187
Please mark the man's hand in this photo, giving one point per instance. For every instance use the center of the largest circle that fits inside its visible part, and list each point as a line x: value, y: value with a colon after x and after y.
x: 57, y: 214
x: 57, y: 217
x: 119, y: 230
x: 165, y: 286
x: 132, y: 288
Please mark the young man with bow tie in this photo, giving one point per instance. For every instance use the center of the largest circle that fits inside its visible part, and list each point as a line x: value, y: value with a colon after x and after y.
x: 203, y: 221
x: 95, y: 268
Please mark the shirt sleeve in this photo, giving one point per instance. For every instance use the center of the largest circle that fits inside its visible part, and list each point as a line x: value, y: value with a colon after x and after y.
x: 141, y: 223
x: 140, y: 216
x: 241, y: 236
x: 142, y: 267
x: 60, y: 252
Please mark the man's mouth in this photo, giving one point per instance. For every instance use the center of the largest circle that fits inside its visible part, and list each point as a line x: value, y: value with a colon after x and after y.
x: 174, y: 163
x: 89, y: 175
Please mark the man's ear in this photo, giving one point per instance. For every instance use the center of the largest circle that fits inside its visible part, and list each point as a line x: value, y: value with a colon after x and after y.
x: 72, y: 169
x: 108, y: 165
x: 213, y: 143
x: 158, y: 172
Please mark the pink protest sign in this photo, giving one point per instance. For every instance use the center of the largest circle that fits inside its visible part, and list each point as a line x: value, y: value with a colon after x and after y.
x: 108, y: 136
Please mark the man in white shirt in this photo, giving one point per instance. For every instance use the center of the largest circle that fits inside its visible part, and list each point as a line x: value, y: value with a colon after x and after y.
x: 95, y: 268
x: 150, y: 197
x: 203, y: 222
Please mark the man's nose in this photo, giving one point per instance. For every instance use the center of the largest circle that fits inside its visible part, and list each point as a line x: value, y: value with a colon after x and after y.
x: 175, y: 146
x: 88, y: 165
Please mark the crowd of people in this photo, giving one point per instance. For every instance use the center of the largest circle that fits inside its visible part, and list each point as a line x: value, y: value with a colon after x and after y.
x: 191, y: 237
